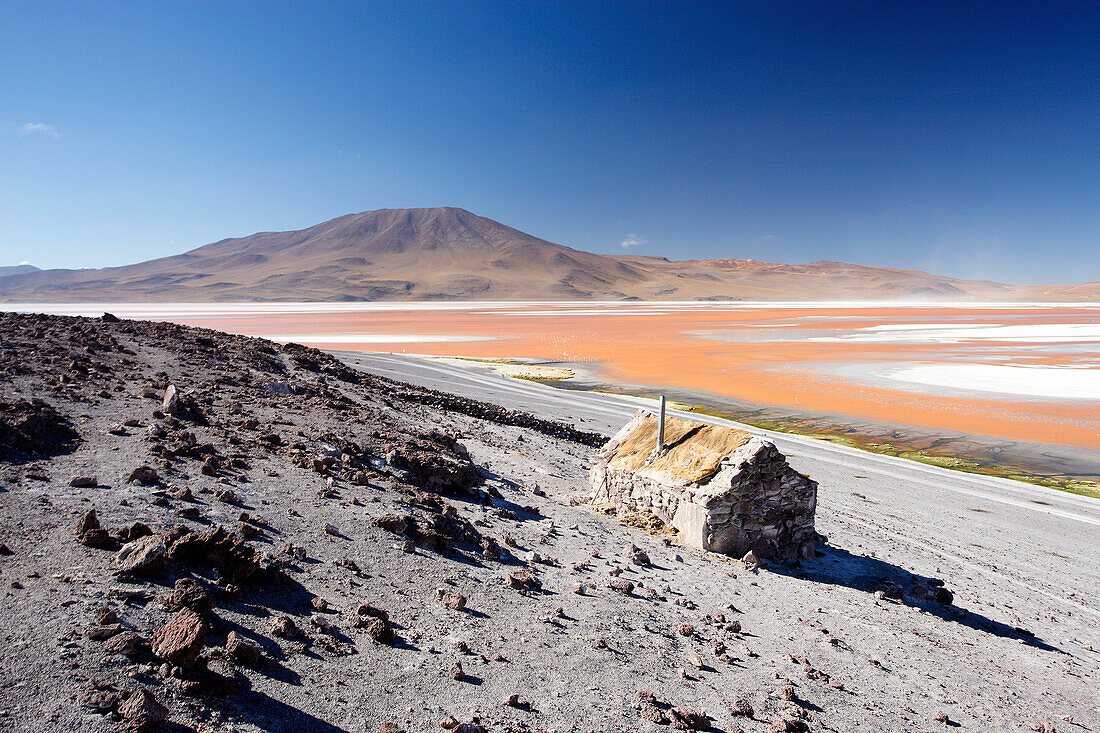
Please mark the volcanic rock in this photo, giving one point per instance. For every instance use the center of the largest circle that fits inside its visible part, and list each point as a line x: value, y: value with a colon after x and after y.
x: 378, y: 629
x: 453, y: 601
x: 144, y: 475
x: 180, y: 640
x: 126, y: 643
x: 285, y: 627
x: 622, y: 585
x: 524, y: 580
x: 88, y: 521
x: 142, y: 555
x: 245, y: 652
x: 170, y: 404
x: 190, y: 593
x: 142, y: 710
x: 33, y: 429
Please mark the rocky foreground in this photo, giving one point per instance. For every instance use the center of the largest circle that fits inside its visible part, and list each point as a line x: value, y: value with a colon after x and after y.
x: 201, y: 531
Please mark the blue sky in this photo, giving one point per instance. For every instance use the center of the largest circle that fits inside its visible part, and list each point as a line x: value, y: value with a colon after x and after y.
x: 961, y: 138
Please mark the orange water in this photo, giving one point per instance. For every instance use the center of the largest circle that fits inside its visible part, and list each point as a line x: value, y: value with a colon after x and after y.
x: 648, y: 345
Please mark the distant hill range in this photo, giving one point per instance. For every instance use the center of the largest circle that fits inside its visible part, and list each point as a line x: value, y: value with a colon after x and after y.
x: 450, y: 254
x: 18, y: 270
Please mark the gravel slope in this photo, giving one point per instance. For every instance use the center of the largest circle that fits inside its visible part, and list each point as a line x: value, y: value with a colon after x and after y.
x: 387, y: 511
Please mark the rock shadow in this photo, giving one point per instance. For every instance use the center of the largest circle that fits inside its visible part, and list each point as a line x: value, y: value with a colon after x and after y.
x: 489, y: 495
x: 274, y: 715
x: 272, y: 666
x: 837, y: 566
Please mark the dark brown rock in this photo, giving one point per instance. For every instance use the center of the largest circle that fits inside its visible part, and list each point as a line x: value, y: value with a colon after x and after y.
x: 524, y: 580
x: 621, y: 585
x: 787, y: 724
x: 377, y: 629
x: 126, y: 643
x: 184, y: 494
x: 101, y: 701
x: 741, y: 706
x: 190, y: 593
x: 99, y: 632
x: 98, y: 538
x: 105, y: 616
x: 247, y: 531
x: 285, y: 627
x: 180, y: 640
x: 33, y: 429
x: 393, y: 523
x: 87, y: 522
x: 235, y: 559
x: 137, y: 530
x: 365, y: 609
x: 144, y: 475
x: 453, y: 601
x: 143, y: 555
x: 692, y: 719
x: 636, y: 555
x: 142, y: 710
x: 243, y: 651
x: 653, y: 714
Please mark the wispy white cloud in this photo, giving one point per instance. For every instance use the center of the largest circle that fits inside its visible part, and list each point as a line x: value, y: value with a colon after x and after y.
x: 771, y: 236
x: 40, y: 128
x: 24, y: 262
x: 632, y: 240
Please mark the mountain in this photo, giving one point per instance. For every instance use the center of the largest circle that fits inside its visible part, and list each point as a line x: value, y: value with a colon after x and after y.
x: 17, y: 270
x: 448, y: 253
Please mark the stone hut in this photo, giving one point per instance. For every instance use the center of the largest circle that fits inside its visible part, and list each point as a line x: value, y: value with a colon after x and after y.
x: 724, y: 490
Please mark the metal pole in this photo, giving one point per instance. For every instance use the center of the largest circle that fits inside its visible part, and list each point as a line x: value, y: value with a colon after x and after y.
x: 661, y: 426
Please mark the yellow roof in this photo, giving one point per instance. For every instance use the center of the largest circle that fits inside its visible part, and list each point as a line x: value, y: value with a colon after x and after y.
x: 692, y: 450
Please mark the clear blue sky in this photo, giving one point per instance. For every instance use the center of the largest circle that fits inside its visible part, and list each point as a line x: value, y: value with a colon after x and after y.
x: 957, y: 137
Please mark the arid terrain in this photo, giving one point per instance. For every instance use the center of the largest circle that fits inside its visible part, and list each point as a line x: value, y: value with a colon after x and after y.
x: 281, y: 541
x: 451, y: 254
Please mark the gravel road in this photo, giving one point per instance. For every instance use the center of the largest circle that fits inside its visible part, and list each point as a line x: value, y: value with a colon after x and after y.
x: 1028, y: 540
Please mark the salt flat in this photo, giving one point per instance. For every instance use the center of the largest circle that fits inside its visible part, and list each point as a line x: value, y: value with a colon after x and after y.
x: 1058, y: 382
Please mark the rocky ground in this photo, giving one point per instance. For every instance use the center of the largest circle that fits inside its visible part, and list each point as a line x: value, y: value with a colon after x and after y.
x: 201, y: 531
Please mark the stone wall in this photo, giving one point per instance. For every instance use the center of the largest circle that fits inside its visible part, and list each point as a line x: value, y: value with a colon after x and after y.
x: 724, y: 490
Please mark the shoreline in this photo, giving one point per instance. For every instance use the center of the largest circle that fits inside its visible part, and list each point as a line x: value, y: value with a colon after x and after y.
x: 1031, y: 463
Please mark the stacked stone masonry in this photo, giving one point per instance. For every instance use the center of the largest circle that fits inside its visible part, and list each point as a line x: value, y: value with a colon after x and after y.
x: 745, y: 497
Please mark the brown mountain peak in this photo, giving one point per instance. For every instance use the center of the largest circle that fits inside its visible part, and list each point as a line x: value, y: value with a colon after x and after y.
x: 449, y: 253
